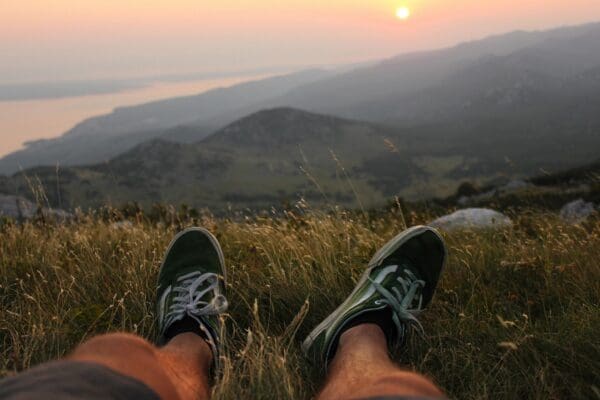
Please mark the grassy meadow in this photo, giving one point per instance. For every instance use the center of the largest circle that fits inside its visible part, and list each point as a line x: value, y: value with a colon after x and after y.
x: 516, y: 315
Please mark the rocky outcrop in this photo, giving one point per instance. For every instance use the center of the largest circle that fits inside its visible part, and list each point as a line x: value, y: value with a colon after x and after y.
x: 577, y: 211
x: 478, y: 218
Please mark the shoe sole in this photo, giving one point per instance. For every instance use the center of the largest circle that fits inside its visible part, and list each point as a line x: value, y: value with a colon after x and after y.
x: 384, y: 252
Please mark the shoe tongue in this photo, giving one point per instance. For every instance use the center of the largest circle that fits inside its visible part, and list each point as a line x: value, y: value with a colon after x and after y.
x: 403, y: 263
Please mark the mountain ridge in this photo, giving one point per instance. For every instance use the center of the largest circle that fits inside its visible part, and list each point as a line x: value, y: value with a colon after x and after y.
x: 379, y: 92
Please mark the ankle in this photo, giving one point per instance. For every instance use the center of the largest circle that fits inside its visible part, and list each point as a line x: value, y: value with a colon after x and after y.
x: 190, y: 344
x: 363, y: 332
x: 363, y: 341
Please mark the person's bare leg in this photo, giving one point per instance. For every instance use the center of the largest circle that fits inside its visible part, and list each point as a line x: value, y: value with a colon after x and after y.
x: 179, y: 371
x: 361, y: 368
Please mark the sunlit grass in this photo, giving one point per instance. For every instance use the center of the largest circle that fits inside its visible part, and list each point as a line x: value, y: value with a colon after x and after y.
x: 517, y: 313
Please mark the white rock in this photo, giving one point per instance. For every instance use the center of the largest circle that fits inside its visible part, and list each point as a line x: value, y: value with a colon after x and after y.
x: 577, y: 211
x: 479, y: 218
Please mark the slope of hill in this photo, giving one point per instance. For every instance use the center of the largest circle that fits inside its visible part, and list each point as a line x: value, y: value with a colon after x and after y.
x: 258, y: 161
x: 549, y: 191
x: 382, y: 92
x: 280, y: 155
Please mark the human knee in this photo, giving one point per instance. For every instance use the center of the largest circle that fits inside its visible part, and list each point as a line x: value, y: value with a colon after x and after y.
x: 114, y: 344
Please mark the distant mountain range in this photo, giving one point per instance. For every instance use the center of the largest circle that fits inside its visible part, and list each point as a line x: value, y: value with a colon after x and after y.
x: 471, y: 80
x: 415, y: 125
x: 466, y: 85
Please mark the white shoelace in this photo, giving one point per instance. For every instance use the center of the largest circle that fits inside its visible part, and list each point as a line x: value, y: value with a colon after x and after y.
x: 400, y: 302
x: 189, y: 300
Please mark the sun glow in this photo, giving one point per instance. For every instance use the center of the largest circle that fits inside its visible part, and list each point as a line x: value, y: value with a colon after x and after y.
x: 403, y: 13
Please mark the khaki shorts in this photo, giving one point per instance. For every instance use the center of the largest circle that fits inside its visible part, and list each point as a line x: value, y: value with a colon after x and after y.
x: 74, y: 380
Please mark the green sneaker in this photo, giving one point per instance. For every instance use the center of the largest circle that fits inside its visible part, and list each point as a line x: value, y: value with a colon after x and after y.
x: 398, y: 283
x: 191, y: 283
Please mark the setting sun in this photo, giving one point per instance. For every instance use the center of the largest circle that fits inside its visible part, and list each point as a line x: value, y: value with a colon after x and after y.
x: 403, y: 13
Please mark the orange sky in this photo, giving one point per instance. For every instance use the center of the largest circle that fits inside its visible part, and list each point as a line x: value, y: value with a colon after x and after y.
x: 77, y: 39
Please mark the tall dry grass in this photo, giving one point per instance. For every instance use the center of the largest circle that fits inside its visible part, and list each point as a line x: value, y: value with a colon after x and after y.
x: 517, y: 313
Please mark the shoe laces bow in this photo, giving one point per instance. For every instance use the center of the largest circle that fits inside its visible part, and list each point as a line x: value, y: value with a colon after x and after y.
x: 191, y: 290
x: 400, y: 299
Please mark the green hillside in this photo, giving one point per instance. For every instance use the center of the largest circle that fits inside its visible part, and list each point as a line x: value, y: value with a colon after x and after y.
x: 262, y: 160
x: 279, y: 156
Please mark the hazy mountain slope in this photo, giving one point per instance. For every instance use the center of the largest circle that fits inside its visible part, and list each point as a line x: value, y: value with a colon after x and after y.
x: 432, y: 87
x: 184, y: 110
x: 75, y: 150
x: 284, y: 154
x: 100, y: 138
x: 261, y: 160
x: 386, y: 92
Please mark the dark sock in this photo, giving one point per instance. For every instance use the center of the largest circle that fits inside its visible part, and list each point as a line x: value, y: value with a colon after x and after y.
x: 382, y: 318
x: 185, y: 325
